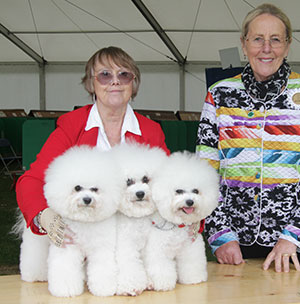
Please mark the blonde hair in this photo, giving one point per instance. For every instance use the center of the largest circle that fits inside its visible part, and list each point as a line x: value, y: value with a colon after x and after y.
x: 270, y: 9
x: 106, y: 56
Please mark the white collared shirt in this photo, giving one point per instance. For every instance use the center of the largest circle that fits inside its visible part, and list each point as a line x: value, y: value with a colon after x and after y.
x: 130, y: 124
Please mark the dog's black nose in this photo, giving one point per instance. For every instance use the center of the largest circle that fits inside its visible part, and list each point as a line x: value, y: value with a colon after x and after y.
x: 140, y: 194
x: 87, y: 200
x: 189, y: 203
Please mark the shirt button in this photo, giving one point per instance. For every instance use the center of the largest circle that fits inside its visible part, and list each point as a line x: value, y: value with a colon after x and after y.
x: 250, y: 114
x: 257, y: 175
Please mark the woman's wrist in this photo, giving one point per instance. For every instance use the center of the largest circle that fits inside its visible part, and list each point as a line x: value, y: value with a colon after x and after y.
x: 37, y: 222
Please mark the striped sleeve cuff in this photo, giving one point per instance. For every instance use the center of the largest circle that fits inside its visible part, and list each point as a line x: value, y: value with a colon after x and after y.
x: 292, y: 234
x: 220, y: 238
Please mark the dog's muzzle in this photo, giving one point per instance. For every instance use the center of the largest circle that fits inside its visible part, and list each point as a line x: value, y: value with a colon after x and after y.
x: 87, y: 200
x: 189, y: 202
x: 140, y: 195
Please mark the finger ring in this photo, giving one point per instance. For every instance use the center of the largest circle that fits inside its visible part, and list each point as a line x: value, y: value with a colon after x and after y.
x: 294, y: 254
x: 285, y: 255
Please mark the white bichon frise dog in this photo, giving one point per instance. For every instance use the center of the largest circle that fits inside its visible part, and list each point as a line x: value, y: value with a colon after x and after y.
x: 83, y: 186
x: 185, y: 192
x: 139, y: 164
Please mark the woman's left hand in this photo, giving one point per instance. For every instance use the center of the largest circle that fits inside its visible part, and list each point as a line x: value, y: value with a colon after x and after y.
x: 281, y: 254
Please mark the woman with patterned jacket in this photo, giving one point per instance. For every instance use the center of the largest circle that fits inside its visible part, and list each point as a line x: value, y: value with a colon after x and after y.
x: 250, y: 132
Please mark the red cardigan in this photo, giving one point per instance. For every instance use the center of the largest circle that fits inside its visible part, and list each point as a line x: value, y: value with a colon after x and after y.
x: 70, y: 131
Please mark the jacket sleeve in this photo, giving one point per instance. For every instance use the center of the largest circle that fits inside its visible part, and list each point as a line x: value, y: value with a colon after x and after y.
x: 291, y: 232
x: 217, y: 227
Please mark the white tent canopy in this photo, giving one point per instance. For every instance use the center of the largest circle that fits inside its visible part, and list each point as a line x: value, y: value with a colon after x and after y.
x: 72, y: 30
x: 178, y: 32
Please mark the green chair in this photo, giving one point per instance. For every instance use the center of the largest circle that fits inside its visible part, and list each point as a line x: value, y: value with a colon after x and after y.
x: 191, y: 134
x: 175, y: 133
x: 35, y: 133
x: 11, y: 129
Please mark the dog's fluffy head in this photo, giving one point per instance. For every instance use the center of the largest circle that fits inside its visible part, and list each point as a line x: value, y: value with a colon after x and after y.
x: 138, y: 165
x: 83, y: 184
x: 186, y: 189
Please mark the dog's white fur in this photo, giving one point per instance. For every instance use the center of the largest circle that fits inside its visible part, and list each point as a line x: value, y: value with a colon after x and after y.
x: 33, y: 252
x: 139, y: 164
x: 89, y: 211
x: 185, y: 192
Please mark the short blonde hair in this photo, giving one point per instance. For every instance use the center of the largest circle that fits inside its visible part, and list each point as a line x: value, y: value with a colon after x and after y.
x: 106, y: 56
x: 270, y: 9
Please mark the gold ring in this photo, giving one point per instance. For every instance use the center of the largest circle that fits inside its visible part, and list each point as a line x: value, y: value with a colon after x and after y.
x: 285, y: 255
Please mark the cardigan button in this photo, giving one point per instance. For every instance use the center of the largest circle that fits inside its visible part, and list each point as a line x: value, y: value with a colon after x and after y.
x: 257, y: 175
x: 251, y: 114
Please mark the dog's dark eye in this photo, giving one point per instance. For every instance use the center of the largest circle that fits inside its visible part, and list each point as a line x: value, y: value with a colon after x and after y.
x: 94, y: 189
x: 145, y: 180
x: 196, y: 191
x: 130, y: 182
x: 179, y: 191
x: 78, y: 188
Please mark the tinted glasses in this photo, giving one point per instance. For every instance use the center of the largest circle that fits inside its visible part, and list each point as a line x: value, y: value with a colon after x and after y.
x: 106, y: 77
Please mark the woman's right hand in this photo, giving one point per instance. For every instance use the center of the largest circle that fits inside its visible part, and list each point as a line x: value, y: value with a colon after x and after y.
x: 56, y: 229
x: 229, y: 253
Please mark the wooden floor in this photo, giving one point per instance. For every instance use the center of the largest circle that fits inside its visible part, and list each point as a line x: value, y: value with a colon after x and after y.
x: 246, y: 283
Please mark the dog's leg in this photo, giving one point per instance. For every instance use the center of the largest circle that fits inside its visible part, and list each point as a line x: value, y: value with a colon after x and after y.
x: 101, y: 260
x: 191, y: 263
x: 160, y: 264
x: 132, y: 277
x: 65, y: 271
x: 33, y: 256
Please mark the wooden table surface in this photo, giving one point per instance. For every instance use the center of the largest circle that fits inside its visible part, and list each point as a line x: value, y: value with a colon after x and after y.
x: 246, y: 283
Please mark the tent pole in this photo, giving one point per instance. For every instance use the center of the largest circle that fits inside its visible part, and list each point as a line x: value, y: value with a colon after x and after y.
x: 182, y: 87
x: 42, y: 86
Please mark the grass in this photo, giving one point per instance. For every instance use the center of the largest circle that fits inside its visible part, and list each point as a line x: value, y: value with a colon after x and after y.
x: 9, y: 244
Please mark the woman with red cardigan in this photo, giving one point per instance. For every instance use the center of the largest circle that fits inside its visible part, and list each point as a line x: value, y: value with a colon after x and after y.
x: 112, y: 79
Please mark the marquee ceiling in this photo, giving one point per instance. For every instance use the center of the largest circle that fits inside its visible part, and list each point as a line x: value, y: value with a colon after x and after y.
x: 149, y: 30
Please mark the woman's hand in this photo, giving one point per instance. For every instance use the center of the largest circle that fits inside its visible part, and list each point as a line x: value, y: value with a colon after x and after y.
x: 56, y: 229
x: 229, y: 253
x: 281, y: 254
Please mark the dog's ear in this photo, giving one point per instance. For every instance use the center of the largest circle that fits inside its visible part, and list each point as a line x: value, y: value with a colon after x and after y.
x: 161, y: 195
x: 211, y: 198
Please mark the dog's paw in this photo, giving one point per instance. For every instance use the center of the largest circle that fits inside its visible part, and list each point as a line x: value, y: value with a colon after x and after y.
x: 193, y: 278
x: 132, y: 283
x: 131, y: 293
x: 102, y: 291
x: 34, y: 277
x: 164, y: 282
x: 70, y: 289
x: 134, y: 288
x: 150, y: 286
x: 103, y: 287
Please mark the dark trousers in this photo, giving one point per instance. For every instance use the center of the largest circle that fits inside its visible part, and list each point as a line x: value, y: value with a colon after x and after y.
x: 256, y: 251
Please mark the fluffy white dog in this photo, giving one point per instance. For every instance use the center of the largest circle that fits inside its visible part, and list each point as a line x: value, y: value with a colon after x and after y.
x: 139, y: 164
x: 185, y: 192
x: 83, y: 186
